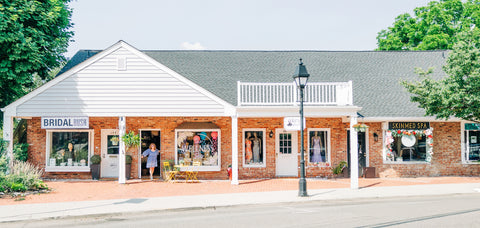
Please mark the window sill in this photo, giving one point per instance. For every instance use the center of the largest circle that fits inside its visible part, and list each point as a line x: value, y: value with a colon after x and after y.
x: 200, y: 168
x: 406, y: 162
x: 471, y: 163
x: 67, y: 169
x: 254, y: 166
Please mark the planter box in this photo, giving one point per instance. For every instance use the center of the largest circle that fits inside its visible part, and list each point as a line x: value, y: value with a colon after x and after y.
x: 369, y: 172
x: 95, y: 169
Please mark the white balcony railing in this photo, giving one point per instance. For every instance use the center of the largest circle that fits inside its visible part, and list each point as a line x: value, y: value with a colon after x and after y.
x: 316, y: 93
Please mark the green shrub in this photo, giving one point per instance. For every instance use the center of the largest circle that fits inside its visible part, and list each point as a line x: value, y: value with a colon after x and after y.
x: 18, y: 187
x: 96, y: 159
x: 20, y: 151
x: 128, y: 159
x: 24, y: 176
x: 339, y: 168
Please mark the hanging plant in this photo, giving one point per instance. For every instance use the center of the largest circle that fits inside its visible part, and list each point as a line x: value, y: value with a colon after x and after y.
x: 360, y: 127
x: 131, y: 139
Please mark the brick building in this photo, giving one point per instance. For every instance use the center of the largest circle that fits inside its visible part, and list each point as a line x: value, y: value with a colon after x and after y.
x: 235, y: 108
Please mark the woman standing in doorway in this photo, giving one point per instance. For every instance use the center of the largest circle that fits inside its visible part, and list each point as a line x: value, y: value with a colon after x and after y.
x: 151, y: 153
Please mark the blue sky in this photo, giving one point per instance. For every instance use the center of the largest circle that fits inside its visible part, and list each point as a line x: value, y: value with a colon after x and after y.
x: 234, y: 25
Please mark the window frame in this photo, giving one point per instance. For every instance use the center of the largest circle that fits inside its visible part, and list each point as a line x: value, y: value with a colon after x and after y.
x: 264, y: 147
x: 327, y: 150
x: 465, y: 146
x: 201, y: 168
x: 385, y: 149
x: 48, y: 145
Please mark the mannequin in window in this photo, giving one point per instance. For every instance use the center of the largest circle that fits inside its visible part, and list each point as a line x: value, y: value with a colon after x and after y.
x: 196, y: 147
x: 317, y: 146
x: 256, y: 148
x: 248, y: 148
x: 70, y: 154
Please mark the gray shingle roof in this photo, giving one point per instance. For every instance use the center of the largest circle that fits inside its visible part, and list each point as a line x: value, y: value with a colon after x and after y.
x: 375, y: 75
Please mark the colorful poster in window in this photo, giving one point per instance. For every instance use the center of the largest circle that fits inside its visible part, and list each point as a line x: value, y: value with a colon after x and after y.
x: 198, y: 146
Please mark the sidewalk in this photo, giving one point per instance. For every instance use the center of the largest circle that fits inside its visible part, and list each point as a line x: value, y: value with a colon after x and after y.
x: 80, y: 198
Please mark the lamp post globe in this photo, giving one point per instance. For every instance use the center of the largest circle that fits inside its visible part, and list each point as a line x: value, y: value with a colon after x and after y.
x: 301, y: 78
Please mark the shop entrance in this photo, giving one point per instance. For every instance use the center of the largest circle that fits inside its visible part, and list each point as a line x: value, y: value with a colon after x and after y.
x: 110, y: 143
x: 362, y: 152
x: 286, y: 150
x: 147, y: 137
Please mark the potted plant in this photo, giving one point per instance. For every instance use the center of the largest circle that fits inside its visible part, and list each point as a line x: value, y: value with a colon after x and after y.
x: 337, y: 170
x: 114, y: 140
x: 128, y: 166
x: 95, y: 166
x: 131, y: 140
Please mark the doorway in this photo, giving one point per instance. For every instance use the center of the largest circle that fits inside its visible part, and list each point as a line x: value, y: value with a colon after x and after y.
x: 147, y: 137
x: 362, y: 152
x: 286, y: 150
x: 110, y: 148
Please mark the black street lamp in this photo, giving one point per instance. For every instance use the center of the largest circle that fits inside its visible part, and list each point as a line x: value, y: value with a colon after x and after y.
x: 301, y: 77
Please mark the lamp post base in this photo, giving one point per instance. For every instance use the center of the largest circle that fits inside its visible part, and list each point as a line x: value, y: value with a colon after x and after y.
x: 302, y: 188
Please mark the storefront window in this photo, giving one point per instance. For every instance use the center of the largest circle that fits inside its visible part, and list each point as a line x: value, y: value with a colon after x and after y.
x: 198, y: 146
x: 411, y: 144
x: 318, y: 146
x: 472, y: 141
x: 254, y: 147
x: 68, y: 150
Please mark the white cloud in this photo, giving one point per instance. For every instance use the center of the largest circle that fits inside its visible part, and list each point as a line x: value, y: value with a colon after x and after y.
x: 192, y: 46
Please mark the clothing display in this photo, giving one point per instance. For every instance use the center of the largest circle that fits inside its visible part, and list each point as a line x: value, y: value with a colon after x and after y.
x: 317, y: 154
x: 248, y: 151
x: 256, y: 150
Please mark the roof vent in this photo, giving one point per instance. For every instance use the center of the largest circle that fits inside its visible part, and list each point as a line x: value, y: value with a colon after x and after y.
x: 122, y: 63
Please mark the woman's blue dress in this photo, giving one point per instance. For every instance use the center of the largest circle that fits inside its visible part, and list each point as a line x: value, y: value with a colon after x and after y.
x: 152, y: 157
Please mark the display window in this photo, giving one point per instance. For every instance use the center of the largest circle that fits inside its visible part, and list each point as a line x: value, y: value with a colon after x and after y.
x: 472, y: 142
x: 68, y: 150
x: 198, y: 145
x: 319, y: 147
x: 254, y: 147
x: 412, y: 144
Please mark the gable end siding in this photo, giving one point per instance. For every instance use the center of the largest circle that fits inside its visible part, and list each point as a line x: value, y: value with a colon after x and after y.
x: 100, y: 89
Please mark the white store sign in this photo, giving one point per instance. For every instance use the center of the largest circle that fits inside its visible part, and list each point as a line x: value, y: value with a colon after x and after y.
x: 65, y: 122
x: 293, y: 123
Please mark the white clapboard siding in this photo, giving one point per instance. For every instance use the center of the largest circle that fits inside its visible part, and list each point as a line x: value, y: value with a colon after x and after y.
x: 140, y: 89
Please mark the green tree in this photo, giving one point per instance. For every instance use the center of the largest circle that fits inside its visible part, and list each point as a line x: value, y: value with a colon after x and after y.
x: 33, y: 37
x: 433, y: 27
x: 458, y: 94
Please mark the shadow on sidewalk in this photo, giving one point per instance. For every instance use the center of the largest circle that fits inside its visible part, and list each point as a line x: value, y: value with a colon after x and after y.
x: 253, y: 181
x: 370, y: 185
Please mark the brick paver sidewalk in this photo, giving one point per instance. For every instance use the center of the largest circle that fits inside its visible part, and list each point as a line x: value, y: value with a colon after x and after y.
x: 83, y: 190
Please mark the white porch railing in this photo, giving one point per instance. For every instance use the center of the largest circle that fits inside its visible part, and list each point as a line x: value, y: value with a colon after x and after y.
x: 316, y: 93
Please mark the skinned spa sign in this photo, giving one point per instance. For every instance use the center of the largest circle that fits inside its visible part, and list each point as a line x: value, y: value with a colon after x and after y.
x: 65, y: 122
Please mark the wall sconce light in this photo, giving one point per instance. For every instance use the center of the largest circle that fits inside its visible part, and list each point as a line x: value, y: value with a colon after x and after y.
x: 375, y: 137
x: 270, y: 134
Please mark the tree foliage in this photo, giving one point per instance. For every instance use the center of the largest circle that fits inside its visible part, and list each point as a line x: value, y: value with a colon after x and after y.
x: 33, y: 37
x: 433, y: 27
x: 457, y: 95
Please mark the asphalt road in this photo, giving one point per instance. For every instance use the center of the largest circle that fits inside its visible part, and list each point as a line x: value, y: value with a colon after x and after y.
x: 435, y: 211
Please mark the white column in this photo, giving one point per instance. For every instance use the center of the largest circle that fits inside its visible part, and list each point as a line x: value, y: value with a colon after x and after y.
x: 8, y: 135
x: 353, y: 154
x: 121, y: 152
x: 234, y: 150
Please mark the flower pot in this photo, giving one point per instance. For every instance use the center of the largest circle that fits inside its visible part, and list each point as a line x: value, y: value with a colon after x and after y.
x: 128, y: 168
x: 95, y: 169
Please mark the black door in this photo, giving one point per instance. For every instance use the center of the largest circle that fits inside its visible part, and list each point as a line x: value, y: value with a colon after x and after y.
x: 362, y: 154
x: 148, y: 137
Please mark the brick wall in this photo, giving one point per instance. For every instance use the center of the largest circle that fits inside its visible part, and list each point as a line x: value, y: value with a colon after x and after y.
x: 446, y: 159
x: 36, y: 137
